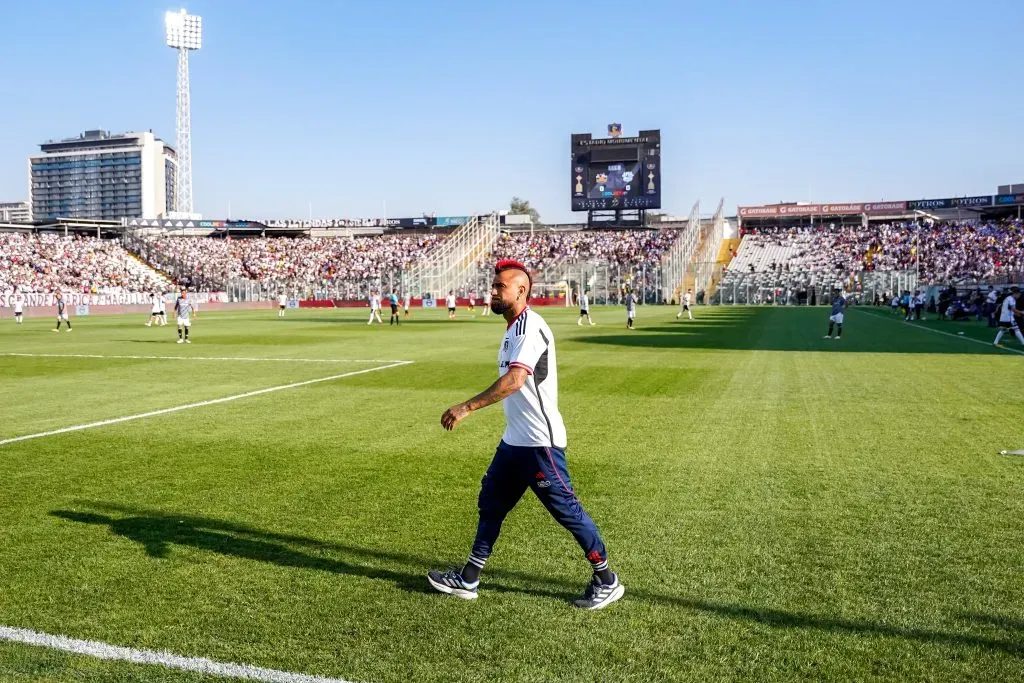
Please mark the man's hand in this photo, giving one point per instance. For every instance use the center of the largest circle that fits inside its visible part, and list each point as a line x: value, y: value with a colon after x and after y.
x: 454, y: 415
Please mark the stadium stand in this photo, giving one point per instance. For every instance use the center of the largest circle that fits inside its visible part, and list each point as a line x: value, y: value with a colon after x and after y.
x: 47, y: 263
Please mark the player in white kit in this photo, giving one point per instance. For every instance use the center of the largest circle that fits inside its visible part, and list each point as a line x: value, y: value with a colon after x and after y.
x: 374, y: 308
x: 18, y: 304
x: 154, y: 310
x: 406, y: 302
x: 282, y: 303
x: 584, y: 309
x: 685, y: 306
x: 1008, y: 314
x: 450, y: 301
x: 487, y: 303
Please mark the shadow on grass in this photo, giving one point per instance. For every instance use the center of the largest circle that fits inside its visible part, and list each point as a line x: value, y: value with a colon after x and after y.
x: 785, y: 329
x: 157, y: 531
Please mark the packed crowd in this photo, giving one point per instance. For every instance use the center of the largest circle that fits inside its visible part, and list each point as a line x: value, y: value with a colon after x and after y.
x: 204, y: 262
x: 47, y: 263
x: 627, y: 248
x: 951, y: 251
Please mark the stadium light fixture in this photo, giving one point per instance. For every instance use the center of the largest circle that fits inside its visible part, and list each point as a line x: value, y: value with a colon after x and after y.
x: 184, y: 34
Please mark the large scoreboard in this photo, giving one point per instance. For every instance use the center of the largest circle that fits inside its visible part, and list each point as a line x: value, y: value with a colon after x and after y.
x: 616, y: 173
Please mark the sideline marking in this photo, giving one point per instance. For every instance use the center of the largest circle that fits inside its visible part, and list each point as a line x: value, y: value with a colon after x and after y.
x: 99, y: 650
x: 963, y: 337
x: 164, y: 411
x: 244, y: 358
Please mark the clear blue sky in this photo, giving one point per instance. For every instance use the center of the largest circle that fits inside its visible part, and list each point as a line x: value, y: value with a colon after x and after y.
x: 454, y: 107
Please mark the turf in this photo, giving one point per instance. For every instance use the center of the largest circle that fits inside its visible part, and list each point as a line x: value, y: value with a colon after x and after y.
x: 779, y: 506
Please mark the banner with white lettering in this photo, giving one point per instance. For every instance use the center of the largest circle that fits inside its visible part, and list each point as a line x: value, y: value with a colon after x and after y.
x: 123, y: 299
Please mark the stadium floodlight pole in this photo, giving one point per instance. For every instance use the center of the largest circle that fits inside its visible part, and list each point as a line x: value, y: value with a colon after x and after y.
x: 184, y: 33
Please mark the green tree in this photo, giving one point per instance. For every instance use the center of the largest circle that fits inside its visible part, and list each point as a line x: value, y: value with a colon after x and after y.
x: 519, y: 207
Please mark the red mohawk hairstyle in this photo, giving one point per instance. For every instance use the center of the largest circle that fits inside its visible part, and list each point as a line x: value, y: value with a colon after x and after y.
x: 511, y: 264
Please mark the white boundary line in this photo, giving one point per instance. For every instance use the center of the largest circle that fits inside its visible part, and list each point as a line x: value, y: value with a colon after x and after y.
x: 99, y: 650
x: 948, y: 334
x: 164, y: 411
x: 250, y: 358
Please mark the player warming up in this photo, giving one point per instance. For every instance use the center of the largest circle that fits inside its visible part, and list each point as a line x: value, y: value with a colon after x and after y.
x: 282, y: 304
x: 184, y: 310
x: 393, y: 300
x: 18, y: 303
x: 374, y: 308
x: 531, y: 453
x: 835, y: 319
x: 584, y: 309
x: 685, y: 307
x: 1008, y: 314
x: 450, y: 302
x: 154, y: 311
x: 630, y: 302
x: 62, y: 313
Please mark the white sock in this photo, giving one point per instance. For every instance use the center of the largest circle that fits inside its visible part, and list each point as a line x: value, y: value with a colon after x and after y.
x: 999, y: 335
x: 1019, y: 336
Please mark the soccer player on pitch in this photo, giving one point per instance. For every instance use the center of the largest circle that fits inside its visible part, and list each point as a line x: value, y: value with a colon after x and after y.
x: 374, y: 308
x: 393, y: 300
x: 835, y: 319
x: 282, y: 304
x: 62, y: 314
x: 531, y: 454
x: 1008, y: 314
x: 630, y: 302
x: 584, y: 309
x: 18, y: 302
x: 183, y: 310
x: 685, y: 307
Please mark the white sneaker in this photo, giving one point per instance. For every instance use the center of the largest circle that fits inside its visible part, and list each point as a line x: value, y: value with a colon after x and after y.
x: 181, y: 341
x: 828, y: 336
x: 599, y: 595
x: 188, y: 341
x: 149, y: 324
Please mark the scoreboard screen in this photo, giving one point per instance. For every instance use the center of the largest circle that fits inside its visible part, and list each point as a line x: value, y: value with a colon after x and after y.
x: 616, y: 173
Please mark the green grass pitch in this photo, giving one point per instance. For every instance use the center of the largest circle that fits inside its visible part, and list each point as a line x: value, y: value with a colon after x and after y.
x: 779, y: 506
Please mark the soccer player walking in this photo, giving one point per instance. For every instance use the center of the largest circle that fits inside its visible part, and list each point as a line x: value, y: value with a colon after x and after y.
x: 282, y: 304
x: 408, y: 299
x: 685, y: 307
x: 630, y: 302
x: 62, y: 313
x: 584, y: 309
x: 1008, y: 314
x: 531, y: 454
x: 154, y: 311
x: 835, y: 319
x: 183, y: 311
x: 374, y: 308
x: 487, y: 304
x: 450, y: 301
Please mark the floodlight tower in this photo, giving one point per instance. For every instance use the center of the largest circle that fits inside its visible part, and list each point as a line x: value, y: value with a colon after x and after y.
x: 184, y: 33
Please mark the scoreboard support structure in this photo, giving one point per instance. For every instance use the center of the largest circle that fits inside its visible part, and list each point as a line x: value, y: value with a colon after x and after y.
x: 617, y: 218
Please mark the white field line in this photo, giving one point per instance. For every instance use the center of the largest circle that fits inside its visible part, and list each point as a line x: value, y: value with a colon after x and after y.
x: 243, y: 358
x: 164, y: 411
x: 948, y: 334
x: 92, y: 648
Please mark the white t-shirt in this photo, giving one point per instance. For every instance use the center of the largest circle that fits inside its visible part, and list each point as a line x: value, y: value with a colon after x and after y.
x: 450, y: 300
x: 686, y: 299
x: 407, y: 300
x: 19, y: 302
x: 992, y: 297
x: 584, y: 302
x: 487, y: 298
x: 374, y: 302
x: 531, y: 414
x: 282, y: 300
x: 1009, y: 303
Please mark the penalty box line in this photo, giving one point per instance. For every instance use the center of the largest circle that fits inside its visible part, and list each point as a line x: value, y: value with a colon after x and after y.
x: 100, y: 650
x: 238, y: 358
x: 199, y: 404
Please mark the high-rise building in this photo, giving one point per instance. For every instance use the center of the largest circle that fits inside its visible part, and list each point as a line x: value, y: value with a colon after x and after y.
x: 15, y: 212
x: 103, y: 177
